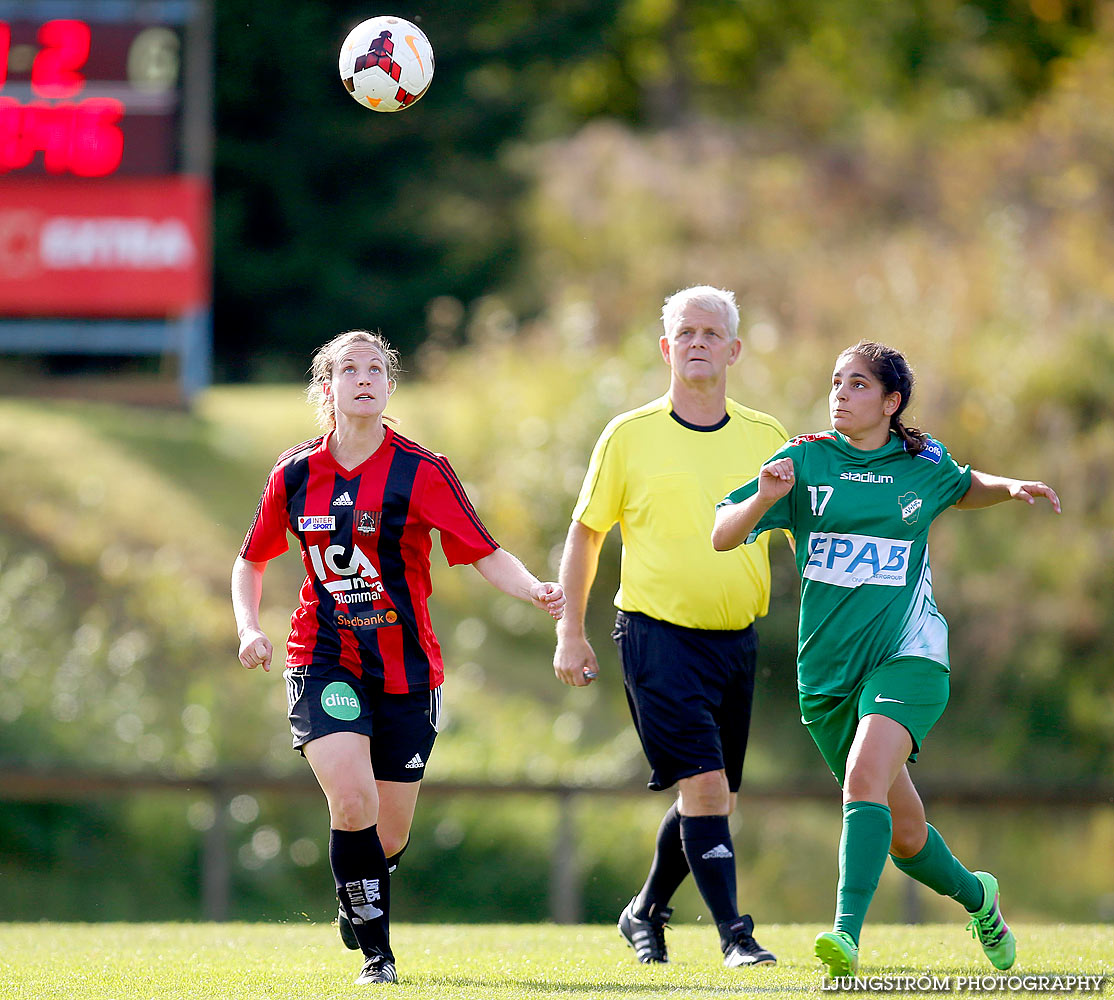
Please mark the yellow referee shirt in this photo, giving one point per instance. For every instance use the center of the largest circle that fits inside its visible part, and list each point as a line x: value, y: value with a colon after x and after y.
x: 661, y: 480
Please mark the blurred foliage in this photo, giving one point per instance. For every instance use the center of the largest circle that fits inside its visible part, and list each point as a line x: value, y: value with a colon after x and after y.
x: 874, y: 171
x: 983, y: 255
x: 329, y: 216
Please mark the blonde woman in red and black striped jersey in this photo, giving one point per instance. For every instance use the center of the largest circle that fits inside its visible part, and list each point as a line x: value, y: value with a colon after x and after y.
x: 363, y: 665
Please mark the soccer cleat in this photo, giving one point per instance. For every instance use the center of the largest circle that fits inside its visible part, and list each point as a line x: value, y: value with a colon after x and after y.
x: 377, y: 969
x: 838, y: 951
x: 347, y: 935
x: 989, y: 927
x: 742, y: 949
x: 645, y: 935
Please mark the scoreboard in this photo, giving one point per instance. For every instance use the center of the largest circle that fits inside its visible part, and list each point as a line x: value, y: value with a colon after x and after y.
x: 86, y: 98
x: 104, y: 176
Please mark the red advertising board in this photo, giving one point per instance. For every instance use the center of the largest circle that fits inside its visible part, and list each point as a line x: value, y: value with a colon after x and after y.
x: 121, y: 247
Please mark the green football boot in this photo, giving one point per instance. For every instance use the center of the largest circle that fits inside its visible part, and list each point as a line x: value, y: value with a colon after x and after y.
x: 989, y: 927
x: 838, y: 951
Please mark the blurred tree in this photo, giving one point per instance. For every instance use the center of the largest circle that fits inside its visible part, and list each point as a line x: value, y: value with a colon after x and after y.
x: 330, y: 217
x: 932, y: 174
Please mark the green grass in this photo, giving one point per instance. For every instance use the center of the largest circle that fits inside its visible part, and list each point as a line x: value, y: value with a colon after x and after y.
x: 307, y: 962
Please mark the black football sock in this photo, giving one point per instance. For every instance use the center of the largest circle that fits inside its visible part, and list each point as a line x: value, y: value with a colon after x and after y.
x: 394, y: 859
x: 363, y: 886
x: 711, y: 856
x: 669, y: 867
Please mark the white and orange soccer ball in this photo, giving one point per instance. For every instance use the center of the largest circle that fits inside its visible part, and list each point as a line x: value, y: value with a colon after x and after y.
x: 386, y: 63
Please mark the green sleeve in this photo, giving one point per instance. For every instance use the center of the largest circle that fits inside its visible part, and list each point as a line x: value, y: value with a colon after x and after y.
x: 954, y: 482
x: 781, y: 513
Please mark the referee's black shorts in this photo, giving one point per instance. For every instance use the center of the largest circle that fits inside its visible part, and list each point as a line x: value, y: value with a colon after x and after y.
x: 690, y: 693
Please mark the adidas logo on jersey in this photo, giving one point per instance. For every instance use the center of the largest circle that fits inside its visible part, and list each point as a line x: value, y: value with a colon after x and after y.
x: 344, y: 500
x: 719, y: 851
x: 415, y: 761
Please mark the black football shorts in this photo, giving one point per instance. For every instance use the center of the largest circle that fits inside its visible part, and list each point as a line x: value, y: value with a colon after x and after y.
x: 401, y: 727
x: 690, y: 693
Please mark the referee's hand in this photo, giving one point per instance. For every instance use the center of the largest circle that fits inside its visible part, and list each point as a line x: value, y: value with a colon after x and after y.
x: 574, y: 662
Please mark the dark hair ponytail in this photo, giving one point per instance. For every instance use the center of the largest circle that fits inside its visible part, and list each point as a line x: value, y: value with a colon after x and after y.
x: 893, y: 372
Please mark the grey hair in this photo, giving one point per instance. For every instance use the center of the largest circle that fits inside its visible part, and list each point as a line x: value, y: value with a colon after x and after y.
x: 720, y: 300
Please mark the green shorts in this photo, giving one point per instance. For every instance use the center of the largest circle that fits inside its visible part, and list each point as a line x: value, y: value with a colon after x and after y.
x: 912, y: 691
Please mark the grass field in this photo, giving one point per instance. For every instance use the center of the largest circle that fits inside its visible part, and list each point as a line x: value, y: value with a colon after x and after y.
x: 446, y: 962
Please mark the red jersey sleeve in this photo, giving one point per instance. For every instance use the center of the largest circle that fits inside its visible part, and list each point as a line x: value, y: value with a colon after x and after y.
x: 266, y: 538
x: 446, y: 507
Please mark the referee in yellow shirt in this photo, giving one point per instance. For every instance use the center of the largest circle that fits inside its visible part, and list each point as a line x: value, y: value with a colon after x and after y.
x: 684, y: 628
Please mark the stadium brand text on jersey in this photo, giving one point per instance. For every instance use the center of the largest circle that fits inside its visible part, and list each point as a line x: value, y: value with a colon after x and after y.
x: 865, y: 477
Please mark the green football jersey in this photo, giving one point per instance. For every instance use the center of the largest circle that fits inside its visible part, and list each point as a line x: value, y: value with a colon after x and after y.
x: 861, y: 520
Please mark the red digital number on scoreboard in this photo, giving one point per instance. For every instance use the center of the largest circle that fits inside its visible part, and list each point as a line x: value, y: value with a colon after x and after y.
x: 55, y: 71
x: 65, y: 49
x: 74, y: 137
x: 79, y: 138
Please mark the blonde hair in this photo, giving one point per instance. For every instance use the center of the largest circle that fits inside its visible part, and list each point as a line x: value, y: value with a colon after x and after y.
x: 721, y: 300
x: 324, y: 361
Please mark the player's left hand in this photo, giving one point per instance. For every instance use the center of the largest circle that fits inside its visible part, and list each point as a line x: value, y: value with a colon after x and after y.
x: 1020, y: 490
x: 549, y: 597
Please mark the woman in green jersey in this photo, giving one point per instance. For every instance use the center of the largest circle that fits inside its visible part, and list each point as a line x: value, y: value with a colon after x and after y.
x: 872, y: 662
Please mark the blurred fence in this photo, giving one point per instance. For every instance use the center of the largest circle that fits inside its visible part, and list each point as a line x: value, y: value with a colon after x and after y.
x: 565, y: 893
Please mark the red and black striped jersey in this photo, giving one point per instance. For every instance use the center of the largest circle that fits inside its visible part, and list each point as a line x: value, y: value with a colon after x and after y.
x: 365, y: 540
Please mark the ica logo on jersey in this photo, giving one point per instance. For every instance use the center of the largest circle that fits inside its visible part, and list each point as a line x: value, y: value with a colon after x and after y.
x: 358, y: 578
x: 854, y: 560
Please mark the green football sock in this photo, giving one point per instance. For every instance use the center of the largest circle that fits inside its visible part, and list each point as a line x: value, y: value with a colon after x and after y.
x: 863, y: 847
x: 934, y: 865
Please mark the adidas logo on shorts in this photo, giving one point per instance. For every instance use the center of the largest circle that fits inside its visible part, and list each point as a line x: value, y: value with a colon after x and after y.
x: 415, y: 761
x: 719, y: 851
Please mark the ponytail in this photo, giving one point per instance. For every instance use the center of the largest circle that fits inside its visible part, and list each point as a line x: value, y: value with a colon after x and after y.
x: 914, y: 439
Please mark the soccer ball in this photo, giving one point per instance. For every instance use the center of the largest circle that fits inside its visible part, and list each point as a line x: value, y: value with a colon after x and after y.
x: 386, y: 63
